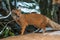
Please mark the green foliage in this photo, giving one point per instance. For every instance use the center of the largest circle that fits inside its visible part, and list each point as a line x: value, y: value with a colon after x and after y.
x: 11, y: 33
x: 7, y: 32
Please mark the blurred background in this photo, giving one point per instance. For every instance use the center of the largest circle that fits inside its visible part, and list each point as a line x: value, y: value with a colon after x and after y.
x: 49, y: 8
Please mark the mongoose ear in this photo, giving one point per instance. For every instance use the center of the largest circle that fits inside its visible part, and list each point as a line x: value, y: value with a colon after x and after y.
x: 18, y: 10
x: 13, y: 11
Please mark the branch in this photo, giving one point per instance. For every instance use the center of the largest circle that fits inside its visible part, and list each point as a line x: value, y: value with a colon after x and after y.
x: 5, y: 27
x: 5, y: 16
x: 9, y: 10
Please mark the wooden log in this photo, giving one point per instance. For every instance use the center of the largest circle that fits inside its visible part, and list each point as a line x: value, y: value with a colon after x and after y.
x: 34, y: 36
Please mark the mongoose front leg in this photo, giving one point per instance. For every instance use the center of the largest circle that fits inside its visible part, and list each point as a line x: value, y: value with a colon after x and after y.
x: 23, y: 29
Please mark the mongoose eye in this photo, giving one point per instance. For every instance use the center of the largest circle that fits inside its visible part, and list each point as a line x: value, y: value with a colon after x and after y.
x: 15, y: 13
x: 18, y: 16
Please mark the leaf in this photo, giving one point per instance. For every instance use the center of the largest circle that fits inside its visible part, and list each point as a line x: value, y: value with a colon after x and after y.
x: 11, y: 33
x: 6, y: 32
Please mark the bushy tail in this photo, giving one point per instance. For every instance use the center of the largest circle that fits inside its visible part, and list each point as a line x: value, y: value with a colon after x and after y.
x: 53, y: 24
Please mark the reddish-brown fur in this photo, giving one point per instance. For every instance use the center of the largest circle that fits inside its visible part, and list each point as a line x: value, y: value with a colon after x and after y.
x: 38, y: 20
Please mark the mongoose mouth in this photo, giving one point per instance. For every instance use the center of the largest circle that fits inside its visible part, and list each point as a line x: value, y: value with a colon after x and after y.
x: 14, y: 14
